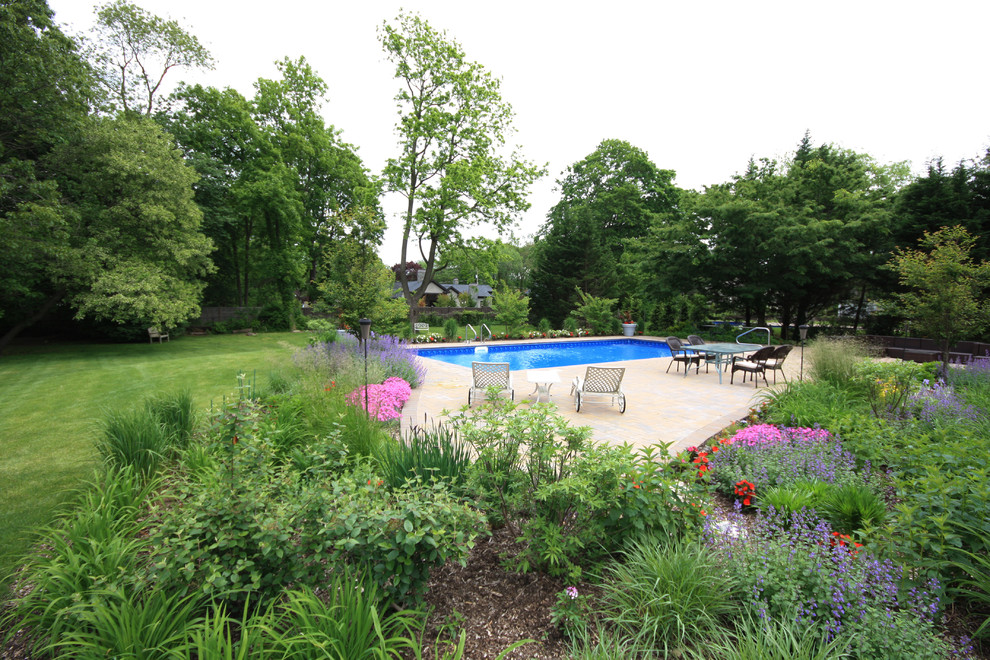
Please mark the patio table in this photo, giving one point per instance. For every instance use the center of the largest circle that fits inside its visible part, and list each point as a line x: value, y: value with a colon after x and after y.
x: 544, y: 380
x: 721, y: 354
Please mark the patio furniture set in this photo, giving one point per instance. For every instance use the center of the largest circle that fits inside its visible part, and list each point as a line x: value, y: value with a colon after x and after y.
x: 603, y: 382
x: 729, y: 356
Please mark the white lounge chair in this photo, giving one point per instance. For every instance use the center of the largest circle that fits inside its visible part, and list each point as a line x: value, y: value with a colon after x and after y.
x: 603, y: 381
x: 490, y: 374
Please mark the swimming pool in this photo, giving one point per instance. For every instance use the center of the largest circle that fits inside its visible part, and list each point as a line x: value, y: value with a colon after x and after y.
x: 550, y: 354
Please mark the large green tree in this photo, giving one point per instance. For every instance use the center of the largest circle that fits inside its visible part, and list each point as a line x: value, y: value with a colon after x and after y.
x: 608, y: 198
x: 278, y: 186
x: 123, y: 233
x: 452, y: 132
x: 134, y: 51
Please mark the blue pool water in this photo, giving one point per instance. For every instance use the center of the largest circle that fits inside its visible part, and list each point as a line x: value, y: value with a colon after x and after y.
x: 550, y: 354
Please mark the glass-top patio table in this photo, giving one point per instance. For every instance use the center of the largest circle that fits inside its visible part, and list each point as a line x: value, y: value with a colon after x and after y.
x: 721, y: 354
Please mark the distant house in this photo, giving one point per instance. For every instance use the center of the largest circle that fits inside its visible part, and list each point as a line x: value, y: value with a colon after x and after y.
x: 430, y: 290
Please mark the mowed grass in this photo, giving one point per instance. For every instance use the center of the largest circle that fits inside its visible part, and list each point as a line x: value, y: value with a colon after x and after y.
x: 53, y: 398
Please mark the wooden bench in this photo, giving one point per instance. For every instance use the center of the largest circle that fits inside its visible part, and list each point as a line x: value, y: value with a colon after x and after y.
x: 154, y: 333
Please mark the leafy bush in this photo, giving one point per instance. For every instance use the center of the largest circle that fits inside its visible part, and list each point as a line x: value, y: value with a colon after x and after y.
x: 595, y: 313
x: 666, y: 596
x: 450, y: 329
x: 573, y: 501
x: 853, y: 507
x: 811, y: 403
x: 544, y: 325
x: 398, y: 536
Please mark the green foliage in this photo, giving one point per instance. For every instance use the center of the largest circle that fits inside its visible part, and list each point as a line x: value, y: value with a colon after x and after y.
x: 573, y: 501
x: 452, y: 131
x: 809, y: 403
x: 346, y: 621
x: 753, y: 638
x: 666, y: 595
x: 835, y: 359
x: 176, y: 415
x: 511, y: 307
x: 595, y: 313
x: 791, y: 498
x: 398, y: 536
x: 853, y: 507
x: 92, y: 550
x: 426, y: 454
x: 944, y: 299
x: 450, y: 329
x: 133, y: 438
x: 139, y: 624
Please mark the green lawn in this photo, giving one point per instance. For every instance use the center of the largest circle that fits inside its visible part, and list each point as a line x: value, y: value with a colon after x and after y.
x: 53, y: 395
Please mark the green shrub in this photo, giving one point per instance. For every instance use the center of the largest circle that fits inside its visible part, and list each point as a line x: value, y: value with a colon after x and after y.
x: 754, y: 637
x: 667, y: 596
x: 399, y: 535
x: 570, y: 324
x: 853, y: 507
x: 793, y: 497
x: 544, y: 325
x: 811, y: 403
x: 573, y: 501
x: 450, y: 329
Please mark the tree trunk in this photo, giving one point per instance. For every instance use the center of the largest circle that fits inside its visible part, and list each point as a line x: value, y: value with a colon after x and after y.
x: 859, y: 308
x: 39, y: 314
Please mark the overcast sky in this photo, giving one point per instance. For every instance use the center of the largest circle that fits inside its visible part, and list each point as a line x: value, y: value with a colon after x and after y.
x: 701, y: 86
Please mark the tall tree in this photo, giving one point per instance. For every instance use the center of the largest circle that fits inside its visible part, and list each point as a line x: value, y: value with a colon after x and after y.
x: 452, y: 129
x: 45, y: 92
x: 124, y: 241
x: 608, y: 198
x: 945, y: 288
x: 135, y: 50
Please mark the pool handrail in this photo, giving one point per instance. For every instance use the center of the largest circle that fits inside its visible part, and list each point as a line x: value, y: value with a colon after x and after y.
x: 769, y: 335
x: 471, y: 328
x: 484, y: 326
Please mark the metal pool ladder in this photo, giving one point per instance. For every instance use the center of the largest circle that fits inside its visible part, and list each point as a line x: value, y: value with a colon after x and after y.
x: 769, y: 334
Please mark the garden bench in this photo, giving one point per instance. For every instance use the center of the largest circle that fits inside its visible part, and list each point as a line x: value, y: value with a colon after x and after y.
x: 154, y: 333
x: 421, y: 327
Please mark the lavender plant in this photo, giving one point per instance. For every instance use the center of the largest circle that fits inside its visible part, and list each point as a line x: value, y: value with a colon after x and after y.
x: 938, y: 404
x: 798, y: 570
x: 387, y: 357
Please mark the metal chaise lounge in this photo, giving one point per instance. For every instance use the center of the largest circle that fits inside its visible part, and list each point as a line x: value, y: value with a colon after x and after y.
x: 600, y: 381
x: 490, y: 375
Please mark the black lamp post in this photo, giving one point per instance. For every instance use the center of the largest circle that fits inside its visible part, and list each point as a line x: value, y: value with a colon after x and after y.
x: 803, y: 329
x: 365, y: 333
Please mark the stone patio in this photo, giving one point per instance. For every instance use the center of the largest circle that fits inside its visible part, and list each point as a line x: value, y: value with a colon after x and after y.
x: 660, y: 407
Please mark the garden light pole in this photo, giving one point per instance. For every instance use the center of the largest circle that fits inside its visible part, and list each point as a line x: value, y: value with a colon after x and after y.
x: 803, y: 329
x: 365, y: 332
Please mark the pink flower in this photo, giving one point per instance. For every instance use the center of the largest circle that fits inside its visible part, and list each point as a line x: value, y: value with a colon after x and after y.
x: 385, y: 401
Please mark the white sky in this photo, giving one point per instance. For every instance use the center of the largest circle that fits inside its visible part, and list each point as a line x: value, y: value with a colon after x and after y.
x: 700, y: 85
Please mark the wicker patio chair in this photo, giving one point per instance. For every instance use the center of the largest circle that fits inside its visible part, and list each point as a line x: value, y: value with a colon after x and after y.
x: 754, y: 364
x: 600, y: 381
x: 678, y: 355
x: 776, y: 363
x: 695, y: 340
x: 490, y: 375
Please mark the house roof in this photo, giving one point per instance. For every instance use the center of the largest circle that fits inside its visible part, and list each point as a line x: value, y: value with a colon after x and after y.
x: 480, y: 291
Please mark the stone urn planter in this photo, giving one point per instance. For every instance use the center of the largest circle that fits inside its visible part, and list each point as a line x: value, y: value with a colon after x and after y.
x: 629, y: 329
